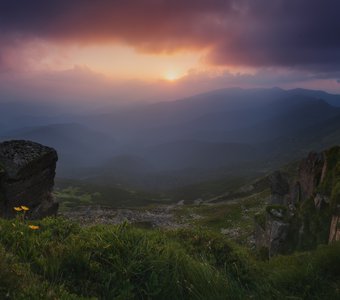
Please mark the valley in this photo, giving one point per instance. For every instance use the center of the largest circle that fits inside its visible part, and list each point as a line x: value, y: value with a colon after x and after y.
x: 169, y: 145
x: 169, y: 150
x: 221, y: 193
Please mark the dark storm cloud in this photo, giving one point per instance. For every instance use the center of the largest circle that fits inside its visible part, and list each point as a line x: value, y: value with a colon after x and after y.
x: 284, y: 33
x: 288, y: 33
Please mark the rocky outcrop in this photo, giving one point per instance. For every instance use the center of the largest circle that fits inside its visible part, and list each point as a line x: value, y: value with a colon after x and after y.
x: 27, y: 172
x: 279, y: 188
x: 302, y: 211
x: 271, y: 226
x: 334, y: 232
x: 295, y: 194
x: 277, y: 233
x: 310, y: 173
x: 272, y: 229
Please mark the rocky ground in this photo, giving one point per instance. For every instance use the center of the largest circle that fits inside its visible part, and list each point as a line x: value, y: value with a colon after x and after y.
x: 232, y: 218
x: 160, y: 216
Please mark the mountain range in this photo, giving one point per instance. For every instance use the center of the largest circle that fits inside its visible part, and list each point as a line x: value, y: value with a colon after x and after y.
x: 169, y: 144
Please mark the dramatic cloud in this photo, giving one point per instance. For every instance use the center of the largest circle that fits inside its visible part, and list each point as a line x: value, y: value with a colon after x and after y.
x: 279, y: 33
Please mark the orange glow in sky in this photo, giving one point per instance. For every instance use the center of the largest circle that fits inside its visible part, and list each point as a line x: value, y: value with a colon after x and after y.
x: 172, y: 75
x: 122, y: 62
x: 173, y: 42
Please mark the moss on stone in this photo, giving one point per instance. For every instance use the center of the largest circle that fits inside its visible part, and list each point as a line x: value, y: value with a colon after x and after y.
x: 332, y: 157
x: 330, y: 186
x: 260, y: 219
x: 314, y: 223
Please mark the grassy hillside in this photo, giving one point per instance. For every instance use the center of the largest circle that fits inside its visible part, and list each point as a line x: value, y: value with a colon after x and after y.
x: 61, y: 260
x: 72, y: 193
x: 233, y: 218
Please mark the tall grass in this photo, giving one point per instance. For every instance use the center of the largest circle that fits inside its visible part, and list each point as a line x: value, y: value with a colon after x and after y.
x: 62, y: 260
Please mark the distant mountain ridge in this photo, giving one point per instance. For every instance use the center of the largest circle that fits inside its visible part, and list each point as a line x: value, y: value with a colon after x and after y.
x: 195, y: 138
x: 74, y: 142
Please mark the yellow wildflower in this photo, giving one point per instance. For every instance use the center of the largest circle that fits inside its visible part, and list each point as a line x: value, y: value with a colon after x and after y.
x: 17, y: 208
x: 23, y: 207
x: 34, y: 227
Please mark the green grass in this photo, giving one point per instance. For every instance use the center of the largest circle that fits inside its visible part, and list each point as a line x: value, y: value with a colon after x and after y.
x: 71, y: 197
x: 111, y: 262
x: 17, y: 281
x: 207, y: 190
x: 73, y: 193
x: 230, y: 215
x: 62, y: 260
x: 307, y: 275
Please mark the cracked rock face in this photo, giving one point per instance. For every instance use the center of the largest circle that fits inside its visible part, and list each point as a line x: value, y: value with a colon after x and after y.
x: 277, y: 235
x: 27, y: 172
x: 310, y: 173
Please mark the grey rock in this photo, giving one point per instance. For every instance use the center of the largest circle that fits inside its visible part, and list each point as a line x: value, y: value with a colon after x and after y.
x: 295, y: 196
x: 180, y: 203
x: 198, y: 201
x: 334, y: 232
x: 277, y: 213
x: 310, y: 173
x: 320, y: 201
x: 277, y: 236
x: 27, y: 178
x: 246, y: 189
x: 273, y: 235
x: 279, y: 187
x: 260, y: 237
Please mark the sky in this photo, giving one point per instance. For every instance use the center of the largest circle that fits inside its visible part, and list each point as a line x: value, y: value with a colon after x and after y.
x: 154, y: 50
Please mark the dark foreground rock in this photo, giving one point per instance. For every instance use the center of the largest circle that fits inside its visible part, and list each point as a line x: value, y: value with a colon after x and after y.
x: 27, y: 172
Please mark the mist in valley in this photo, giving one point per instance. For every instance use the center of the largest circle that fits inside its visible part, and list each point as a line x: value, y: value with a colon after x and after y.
x: 160, y: 146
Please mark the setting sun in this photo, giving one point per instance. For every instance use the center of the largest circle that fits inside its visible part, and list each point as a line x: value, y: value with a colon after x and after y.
x: 171, y: 75
x: 169, y: 149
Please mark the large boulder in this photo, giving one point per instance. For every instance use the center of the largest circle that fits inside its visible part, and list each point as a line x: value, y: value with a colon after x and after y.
x: 27, y: 172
